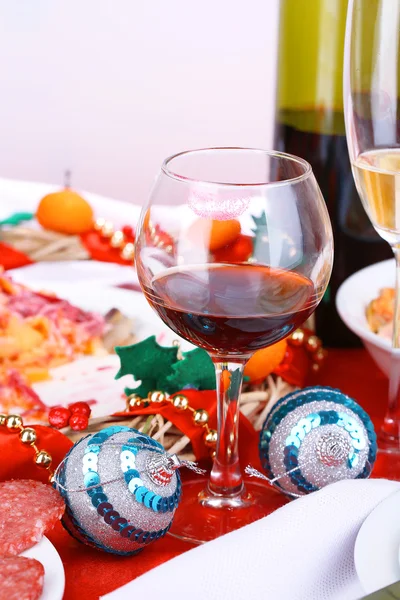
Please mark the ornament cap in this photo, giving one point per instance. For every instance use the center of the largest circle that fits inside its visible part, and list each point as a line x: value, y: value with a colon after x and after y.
x: 161, y: 467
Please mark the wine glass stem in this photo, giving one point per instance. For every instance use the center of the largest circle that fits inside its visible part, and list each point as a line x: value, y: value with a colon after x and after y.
x: 390, y: 433
x: 226, y: 477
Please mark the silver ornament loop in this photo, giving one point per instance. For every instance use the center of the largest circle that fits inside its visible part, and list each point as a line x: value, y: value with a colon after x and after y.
x: 333, y: 449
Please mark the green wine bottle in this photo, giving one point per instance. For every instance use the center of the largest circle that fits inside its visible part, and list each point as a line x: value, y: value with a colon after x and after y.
x: 310, y: 124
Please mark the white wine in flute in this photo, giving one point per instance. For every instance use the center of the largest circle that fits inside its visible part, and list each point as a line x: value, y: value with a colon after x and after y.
x: 377, y: 177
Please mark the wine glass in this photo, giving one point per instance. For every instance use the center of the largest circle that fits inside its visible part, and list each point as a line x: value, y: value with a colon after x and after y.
x: 234, y: 251
x: 371, y: 98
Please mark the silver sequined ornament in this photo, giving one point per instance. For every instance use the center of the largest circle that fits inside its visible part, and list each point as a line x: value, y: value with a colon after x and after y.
x: 314, y: 437
x: 121, y: 490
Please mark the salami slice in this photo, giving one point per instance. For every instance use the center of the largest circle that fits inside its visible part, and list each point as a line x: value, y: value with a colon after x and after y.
x: 28, y: 509
x: 20, y: 578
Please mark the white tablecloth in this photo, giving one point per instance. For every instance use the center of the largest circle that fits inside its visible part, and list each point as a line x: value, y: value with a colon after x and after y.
x: 303, y: 551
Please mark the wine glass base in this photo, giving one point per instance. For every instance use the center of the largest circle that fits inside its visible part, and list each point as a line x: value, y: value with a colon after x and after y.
x: 387, y: 465
x: 202, y: 517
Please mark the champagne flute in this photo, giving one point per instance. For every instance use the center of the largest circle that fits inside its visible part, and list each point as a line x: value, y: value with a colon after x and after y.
x: 234, y: 251
x: 371, y: 97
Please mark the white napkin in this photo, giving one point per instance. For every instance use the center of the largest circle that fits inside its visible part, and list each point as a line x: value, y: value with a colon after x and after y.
x: 303, y: 551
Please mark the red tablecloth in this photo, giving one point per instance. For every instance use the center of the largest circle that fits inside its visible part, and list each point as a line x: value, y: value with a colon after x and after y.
x: 90, y: 573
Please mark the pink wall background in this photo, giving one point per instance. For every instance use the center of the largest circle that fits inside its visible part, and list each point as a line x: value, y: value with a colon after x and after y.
x: 108, y: 88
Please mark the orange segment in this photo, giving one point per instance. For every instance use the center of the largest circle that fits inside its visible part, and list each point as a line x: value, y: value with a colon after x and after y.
x: 264, y: 361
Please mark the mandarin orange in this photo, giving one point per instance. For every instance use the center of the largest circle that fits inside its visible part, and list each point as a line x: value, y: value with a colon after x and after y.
x: 65, y: 212
x: 239, y: 251
x: 264, y: 361
x: 214, y: 234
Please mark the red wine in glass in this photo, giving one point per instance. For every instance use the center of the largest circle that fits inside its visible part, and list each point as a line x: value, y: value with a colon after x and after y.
x: 232, y: 308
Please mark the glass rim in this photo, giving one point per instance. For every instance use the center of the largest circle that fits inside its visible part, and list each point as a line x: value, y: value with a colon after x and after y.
x: 272, y: 153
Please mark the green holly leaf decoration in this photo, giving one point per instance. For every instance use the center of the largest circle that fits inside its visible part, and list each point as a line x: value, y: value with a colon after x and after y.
x: 195, y: 369
x: 147, y: 362
x: 17, y: 218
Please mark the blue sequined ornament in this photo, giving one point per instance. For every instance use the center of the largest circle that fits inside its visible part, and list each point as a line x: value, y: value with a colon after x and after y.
x: 120, y: 488
x: 316, y: 436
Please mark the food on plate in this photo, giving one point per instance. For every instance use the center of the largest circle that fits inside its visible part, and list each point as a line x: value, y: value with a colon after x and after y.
x: 17, y: 396
x: 119, y: 330
x: 29, y: 509
x: 20, y: 578
x: 380, y: 313
x: 38, y: 331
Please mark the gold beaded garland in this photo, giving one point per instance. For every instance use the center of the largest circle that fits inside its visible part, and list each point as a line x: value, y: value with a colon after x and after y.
x: 133, y: 401
x: 312, y: 344
x: 99, y: 223
x: 43, y: 459
x: 180, y: 402
x: 211, y: 437
x: 297, y: 337
x: 200, y: 416
x: 128, y: 251
x: 156, y: 396
x: 13, y: 422
x: 117, y: 239
x: 319, y: 356
x: 107, y: 230
x: 28, y: 436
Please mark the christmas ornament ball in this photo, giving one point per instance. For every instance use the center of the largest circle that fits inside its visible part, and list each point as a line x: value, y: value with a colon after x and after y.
x: 314, y: 437
x: 121, y: 490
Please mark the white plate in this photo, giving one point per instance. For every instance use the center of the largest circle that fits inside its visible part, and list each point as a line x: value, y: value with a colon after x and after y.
x: 376, y: 552
x: 48, y: 274
x: 54, y: 577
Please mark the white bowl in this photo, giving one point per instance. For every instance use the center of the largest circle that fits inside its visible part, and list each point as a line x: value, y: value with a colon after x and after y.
x: 351, y: 302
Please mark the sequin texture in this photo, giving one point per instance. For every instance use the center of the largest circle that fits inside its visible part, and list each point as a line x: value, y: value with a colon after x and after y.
x: 317, y: 436
x: 111, y: 502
